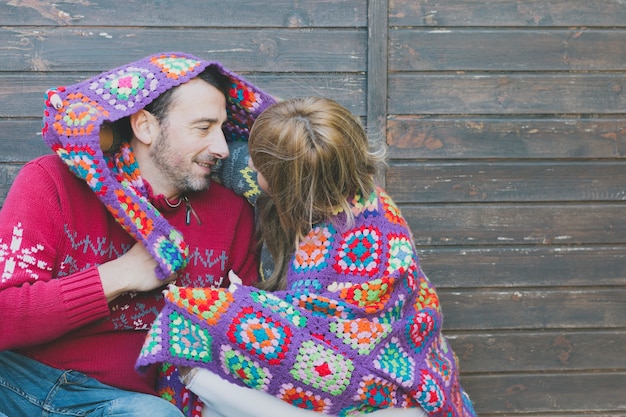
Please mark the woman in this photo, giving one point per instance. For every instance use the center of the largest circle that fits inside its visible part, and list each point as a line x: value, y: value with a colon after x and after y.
x: 347, y: 323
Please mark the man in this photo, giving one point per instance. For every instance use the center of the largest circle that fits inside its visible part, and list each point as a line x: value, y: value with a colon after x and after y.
x: 86, y: 251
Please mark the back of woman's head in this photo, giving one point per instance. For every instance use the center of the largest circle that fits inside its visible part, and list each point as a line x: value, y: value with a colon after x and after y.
x: 314, y: 155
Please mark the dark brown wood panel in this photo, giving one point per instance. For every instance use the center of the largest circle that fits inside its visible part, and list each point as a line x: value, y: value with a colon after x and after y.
x: 539, y: 181
x: 516, y: 13
x: 539, y: 351
x: 21, y: 141
x: 524, y: 266
x: 507, y: 49
x: 187, y: 13
x: 413, y: 137
x: 264, y: 50
x: 516, y: 224
x: 21, y: 95
x: 564, y: 394
x: 506, y: 93
x: 534, y: 309
x: 559, y: 414
x: 7, y: 175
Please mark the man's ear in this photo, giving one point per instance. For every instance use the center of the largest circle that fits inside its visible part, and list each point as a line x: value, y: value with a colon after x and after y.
x: 145, y: 126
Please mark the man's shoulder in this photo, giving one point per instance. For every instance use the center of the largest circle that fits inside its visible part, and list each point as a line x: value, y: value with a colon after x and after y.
x: 49, y: 162
x: 50, y: 169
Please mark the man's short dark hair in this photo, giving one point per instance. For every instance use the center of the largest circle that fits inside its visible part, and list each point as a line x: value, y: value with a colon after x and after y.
x: 210, y: 75
x: 160, y: 106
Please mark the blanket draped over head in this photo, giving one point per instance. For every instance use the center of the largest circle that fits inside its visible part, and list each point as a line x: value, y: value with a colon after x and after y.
x: 357, y: 329
x: 77, y: 122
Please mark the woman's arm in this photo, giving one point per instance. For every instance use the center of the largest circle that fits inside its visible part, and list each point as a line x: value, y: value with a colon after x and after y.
x: 225, y: 399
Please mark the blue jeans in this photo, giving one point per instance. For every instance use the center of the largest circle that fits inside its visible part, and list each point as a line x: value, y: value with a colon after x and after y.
x: 31, y: 389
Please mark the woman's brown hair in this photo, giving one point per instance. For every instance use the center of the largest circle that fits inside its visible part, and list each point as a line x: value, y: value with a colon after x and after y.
x: 315, y: 156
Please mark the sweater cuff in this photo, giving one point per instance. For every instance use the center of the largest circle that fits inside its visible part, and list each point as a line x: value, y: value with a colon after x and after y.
x: 83, y: 297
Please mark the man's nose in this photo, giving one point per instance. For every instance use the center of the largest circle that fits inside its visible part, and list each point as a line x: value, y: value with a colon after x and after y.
x: 218, y: 146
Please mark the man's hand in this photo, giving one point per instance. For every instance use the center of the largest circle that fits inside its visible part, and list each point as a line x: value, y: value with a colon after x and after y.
x: 234, y: 281
x: 133, y: 271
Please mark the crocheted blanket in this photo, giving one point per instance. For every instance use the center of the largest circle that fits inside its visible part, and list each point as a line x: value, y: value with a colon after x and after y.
x: 357, y: 329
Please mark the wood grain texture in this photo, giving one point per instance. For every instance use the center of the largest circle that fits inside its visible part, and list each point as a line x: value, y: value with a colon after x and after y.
x: 506, y: 137
x: 506, y: 93
x: 519, y: 266
x: 507, y: 351
x: 510, y: 181
x: 268, y: 50
x: 534, y: 309
x: 422, y: 49
x: 475, y: 224
x: 185, y: 13
x: 503, y: 13
x: 563, y: 394
x: 22, y: 95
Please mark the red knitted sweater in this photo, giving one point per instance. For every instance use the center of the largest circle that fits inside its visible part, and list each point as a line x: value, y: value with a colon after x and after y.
x: 54, y: 232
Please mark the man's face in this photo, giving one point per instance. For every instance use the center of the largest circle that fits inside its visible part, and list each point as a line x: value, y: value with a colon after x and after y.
x: 191, y: 140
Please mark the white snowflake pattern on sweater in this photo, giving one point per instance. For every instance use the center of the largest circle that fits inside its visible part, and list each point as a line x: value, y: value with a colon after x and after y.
x: 13, y: 255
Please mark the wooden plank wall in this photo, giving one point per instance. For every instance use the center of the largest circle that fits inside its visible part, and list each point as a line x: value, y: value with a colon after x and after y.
x: 505, y: 122
x: 288, y: 47
x: 507, y: 139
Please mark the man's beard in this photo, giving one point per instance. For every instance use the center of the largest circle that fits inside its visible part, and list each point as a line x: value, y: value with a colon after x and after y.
x: 179, y: 177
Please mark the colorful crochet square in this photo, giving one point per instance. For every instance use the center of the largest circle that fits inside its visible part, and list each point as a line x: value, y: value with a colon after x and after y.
x: 243, y: 96
x: 307, y: 400
x: 429, y: 394
x: 279, y: 307
x: 396, y: 362
x: 313, y: 251
x: 205, y: 303
x: 81, y: 161
x: 375, y: 392
x: 188, y: 340
x: 321, y: 306
x: 174, y: 66
x: 154, y: 339
x: 138, y: 217
x: 419, y: 329
x: 426, y: 297
x: 303, y: 286
x: 360, y: 252
x: 407, y: 401
x: 80, y: 116
x: 372, y: 296
x: 126, y: 88
x: 168, y: 249
x: 400, y: 253
x: 394, y: 312
x: 357, y: 410
x: 260, y: 335
x: 128, y: 170
x: 391, y: 210
x: 322, y: 368
x: 365, y: 207
x: 411, y: 277
x: 360, y: 334
x: 439, y: 364
x: 246, y: 370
